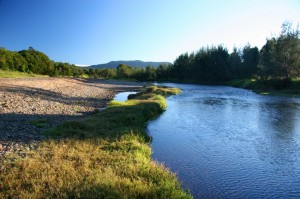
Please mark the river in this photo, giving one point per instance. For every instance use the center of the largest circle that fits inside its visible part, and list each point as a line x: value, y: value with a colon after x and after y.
x: 226, y: 142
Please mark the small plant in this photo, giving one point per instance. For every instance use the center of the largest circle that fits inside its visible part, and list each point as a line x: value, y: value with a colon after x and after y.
x: 41, y: 123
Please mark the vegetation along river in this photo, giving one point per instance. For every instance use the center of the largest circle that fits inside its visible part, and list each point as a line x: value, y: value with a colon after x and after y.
x: 225, y: 142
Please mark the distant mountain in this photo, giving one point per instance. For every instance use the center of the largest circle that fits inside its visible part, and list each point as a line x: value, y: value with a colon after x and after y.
x: 135, y: 63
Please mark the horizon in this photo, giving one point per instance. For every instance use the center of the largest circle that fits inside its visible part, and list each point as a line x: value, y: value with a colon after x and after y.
x: 127, y: 61
x: 99, y: 32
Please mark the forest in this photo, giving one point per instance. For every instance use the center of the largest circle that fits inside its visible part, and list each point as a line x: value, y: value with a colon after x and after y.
x: 278, y: 62
x: 33, y: 61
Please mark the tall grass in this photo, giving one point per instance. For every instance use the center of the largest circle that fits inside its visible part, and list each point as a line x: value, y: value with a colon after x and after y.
x: 106, y: 155
x: 284, y: 87
x: 17, y: 74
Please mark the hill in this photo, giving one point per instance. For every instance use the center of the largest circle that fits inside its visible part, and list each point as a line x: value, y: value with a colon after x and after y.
x: 135, y: 63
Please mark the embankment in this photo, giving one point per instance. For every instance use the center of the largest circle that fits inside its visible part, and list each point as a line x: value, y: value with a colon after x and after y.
x: 289, y: 88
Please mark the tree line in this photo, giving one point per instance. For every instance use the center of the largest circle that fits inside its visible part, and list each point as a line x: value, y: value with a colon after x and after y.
x: 278, y: 59
x: 33, y: 61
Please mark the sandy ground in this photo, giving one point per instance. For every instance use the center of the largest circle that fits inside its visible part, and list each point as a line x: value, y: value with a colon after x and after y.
x: 30, y: 105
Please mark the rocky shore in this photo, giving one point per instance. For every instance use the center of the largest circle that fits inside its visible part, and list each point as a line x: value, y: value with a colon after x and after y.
x: 29, y: 106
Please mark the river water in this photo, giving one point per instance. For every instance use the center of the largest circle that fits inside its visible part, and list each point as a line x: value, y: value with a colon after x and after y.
x: 225, y: 142
x: 123, y: 96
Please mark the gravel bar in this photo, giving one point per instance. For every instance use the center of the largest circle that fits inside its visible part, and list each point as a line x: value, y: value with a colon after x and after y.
x: 28, y: 106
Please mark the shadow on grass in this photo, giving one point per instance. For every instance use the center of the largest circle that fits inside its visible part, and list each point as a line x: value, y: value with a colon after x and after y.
x: 111, y: 123
x: 28, y: 128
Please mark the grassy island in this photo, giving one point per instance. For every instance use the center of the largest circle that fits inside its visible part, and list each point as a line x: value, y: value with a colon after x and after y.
x: 106, y: 155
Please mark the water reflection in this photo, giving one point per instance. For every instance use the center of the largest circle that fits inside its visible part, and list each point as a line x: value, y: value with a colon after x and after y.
x: 279, y: 145
x: 123, y: 96
x: 230, y: 143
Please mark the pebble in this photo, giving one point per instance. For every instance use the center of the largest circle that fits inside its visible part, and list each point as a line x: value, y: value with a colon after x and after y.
x: 54, y: 100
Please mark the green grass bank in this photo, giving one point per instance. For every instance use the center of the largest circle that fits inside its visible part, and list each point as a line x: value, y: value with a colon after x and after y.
x: 17, y: 74
x: 289, y: 88
x: 106, y: 155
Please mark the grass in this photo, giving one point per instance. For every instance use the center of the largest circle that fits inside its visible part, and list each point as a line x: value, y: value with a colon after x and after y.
x: 17, y: 74
x: 41, y: 123
x: 106, y: 155
x: 269, y: 87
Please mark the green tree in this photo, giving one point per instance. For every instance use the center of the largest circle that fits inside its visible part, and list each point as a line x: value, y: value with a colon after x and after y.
x: 124, y: 71
x: 164, y: 71
x: 76, y: 71
x: 267, y: 63
x: 250, y: 61
x: 182, y: 66
x: 10, y: 60
x: 108, y: 73
x: 235, y: 63
x: 288, y: 51
x: 280, y: 56
x: 38, y: 62
x: 150, y: 73
x: 63, y: 69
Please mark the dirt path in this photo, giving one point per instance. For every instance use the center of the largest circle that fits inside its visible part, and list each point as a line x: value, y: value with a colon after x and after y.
x: 30, y: 105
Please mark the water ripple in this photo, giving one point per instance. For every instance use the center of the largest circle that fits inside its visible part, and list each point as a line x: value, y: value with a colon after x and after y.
x: 225, y: 142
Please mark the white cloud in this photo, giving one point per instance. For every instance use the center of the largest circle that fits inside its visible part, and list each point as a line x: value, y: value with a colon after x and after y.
x: 81, y: 65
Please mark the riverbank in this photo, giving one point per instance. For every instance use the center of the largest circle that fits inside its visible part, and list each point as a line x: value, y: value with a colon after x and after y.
x: 28, y: 106
x: 269, y: 87
x: 104, y: 155
x: 263, y: 87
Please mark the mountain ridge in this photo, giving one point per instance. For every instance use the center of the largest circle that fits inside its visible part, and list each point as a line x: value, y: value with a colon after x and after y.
x: 133, y: 63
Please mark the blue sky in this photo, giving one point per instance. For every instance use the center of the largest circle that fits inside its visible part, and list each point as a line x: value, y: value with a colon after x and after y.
x: 98, y: 31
